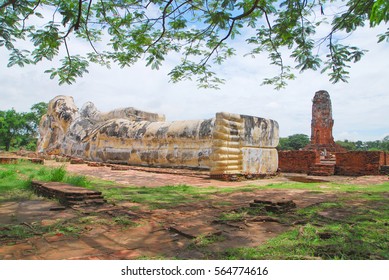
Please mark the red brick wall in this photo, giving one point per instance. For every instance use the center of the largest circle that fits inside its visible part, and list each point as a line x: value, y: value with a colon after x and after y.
x: 359, y: 163
x: 382, y: 158
x: 297, y: 161
x: 387, y: 158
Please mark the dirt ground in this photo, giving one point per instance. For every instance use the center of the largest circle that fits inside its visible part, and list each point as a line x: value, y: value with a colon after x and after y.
x: 168, y: 233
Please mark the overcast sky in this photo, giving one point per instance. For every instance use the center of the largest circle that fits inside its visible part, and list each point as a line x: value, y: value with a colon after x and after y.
x: 360, y: 107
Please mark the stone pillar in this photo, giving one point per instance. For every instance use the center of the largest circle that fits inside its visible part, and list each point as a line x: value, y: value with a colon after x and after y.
x: 322, y: 122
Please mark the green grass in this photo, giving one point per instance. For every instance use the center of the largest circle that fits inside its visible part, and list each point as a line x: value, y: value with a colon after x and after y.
x: 164, y: 196
x: 233, y: 216
x: 205, y: 240
x: 12, y: 232
x: 125, y: 222
x: 78, y: 180
x: 15, y: 179
x: 362, y: 233
x: 161, y: 197
x: 318, y: 187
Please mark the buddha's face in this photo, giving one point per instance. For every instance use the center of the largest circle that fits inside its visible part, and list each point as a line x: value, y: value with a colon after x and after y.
x: 61, y: 112
x: 63, y: 109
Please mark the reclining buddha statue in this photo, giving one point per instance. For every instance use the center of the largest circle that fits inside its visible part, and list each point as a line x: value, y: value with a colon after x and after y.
x: 227, y: 144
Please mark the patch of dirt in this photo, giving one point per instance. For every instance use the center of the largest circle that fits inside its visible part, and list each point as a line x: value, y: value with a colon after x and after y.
x: 172, y: 233
x: 16, y: 212
x: 188, y: 231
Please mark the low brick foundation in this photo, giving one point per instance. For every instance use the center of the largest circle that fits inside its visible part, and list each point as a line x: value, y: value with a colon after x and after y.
x: 68, y: 195
x: 297, y: 161
x: 8, y: 160
x: 37, y: 160
x: 356, y: 163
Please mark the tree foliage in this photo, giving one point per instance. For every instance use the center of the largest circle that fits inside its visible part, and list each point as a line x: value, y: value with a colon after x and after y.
x: 201, y: 31
x: 299, y: 141
x: 377, y: 145
x: 293, y: 142
x: 21, y: 129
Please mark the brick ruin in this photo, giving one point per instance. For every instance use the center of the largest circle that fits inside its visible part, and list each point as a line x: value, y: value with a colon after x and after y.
x: 323, y: 157
x: 355, y: 163
x: 297, y: 161
x: 358, y: 163
x: 321, y: 126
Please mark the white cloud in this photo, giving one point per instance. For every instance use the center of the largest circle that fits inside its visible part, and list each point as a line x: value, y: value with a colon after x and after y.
x: 359, y: 107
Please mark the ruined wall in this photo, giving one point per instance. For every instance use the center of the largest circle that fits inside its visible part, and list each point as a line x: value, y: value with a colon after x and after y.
x: 297, y: 161
x: 226, y: 144
x: 359, y: 163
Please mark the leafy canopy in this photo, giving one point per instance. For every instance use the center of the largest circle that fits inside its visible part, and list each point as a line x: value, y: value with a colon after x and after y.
x: 125, y: 31
x: 21, y: 129
x: 293, y: 142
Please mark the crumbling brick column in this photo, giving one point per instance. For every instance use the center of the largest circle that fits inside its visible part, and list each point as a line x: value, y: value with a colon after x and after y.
x: 322, y: 124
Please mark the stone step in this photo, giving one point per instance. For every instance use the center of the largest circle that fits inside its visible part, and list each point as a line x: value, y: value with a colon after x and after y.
x: 82, y: 197
x: 77, y: 161
x: 274, y: 206
x: 322, y: 170
x: 86, y: 202
x: 68, y: 195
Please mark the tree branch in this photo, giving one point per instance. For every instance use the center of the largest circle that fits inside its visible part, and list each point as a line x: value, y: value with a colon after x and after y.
x: 77, y: 24
x: 67, y: 51
x: 271, y: 40
x: 86, y: 28
x: 334, y: 29
x: 29, y: 14
x: 10, y: 2
x: 248, y: 12
x: 163, y: 26
x: 218, y: 44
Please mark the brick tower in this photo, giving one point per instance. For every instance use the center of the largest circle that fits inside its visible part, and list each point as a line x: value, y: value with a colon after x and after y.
x: 321, y: 125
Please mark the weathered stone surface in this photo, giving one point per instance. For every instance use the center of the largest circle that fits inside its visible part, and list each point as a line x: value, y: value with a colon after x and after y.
x: 244, y: 145
x: 53, y: 126
x: 226, y: 144
x: 259, y: 160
